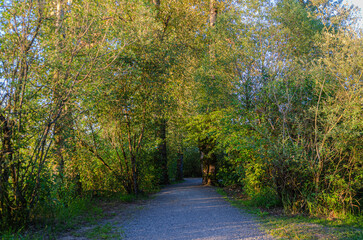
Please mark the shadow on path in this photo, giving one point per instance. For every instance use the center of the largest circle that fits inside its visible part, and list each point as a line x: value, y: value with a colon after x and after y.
x: 190, y: 210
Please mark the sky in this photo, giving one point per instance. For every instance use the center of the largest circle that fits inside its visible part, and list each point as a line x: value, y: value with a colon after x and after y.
x: 358, y: 3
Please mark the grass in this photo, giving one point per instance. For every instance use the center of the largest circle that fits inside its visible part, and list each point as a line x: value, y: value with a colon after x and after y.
x: 283, y: 226
x: 128, y: 198
x: 58, y: 219
x: 106, y: 231
x: 173, y: 181
x: 299, y: 227
x: 79, y: 213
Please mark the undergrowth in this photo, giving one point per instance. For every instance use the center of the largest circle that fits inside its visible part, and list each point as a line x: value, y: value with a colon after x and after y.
x: 69, y: 217
x: 284, y: 226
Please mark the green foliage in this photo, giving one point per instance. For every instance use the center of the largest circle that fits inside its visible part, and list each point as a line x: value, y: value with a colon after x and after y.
x: 258, y: 187
x: 300, y: 226
x: 106, y: 231
x: 104, y: 98
x: 191, y: 165
x: 310, y: 228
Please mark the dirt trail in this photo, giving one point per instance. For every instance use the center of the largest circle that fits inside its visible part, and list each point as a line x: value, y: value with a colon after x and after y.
x: 187, y: 210
x: 190, y: 210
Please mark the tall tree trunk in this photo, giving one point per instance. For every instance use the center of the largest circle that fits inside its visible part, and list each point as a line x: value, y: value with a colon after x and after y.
x: 58, y: 127
x: 161, y: 154
x: 209, y: 160
x: 64, y: 127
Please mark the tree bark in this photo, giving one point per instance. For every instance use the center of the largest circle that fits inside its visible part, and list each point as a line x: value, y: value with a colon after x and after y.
x: 179, y: 168
x: 58, y: 127
x: 5, y: 160
x: 156, y: 3
x: 134, y: 175
x: 213, y: 13
x: 161, y: 154
x: 204, y: 167
x: 208, y: 159
x: 212, y: 173
x: 208, y: 162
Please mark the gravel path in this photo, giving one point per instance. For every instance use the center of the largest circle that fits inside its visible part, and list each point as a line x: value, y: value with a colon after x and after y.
x: 191, y: 211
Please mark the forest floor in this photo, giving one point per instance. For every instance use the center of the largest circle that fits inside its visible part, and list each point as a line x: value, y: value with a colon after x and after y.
x: 186, y: 210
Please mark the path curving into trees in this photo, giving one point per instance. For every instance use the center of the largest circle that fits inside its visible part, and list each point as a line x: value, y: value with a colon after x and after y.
x: 190, y: 210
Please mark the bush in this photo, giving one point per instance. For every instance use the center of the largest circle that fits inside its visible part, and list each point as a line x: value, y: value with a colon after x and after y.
x: 258, y: 186
x: 191, y: 166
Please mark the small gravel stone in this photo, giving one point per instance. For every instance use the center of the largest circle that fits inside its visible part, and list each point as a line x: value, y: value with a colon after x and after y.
x: 190, y: 210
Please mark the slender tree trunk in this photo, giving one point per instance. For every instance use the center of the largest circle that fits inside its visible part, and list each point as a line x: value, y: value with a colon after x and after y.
x: 65, y: 126
x: 58, y: 142
x: 161, y: 154
x: 164, y: 154
x: 212, y: 179
x: 209, y: 160
x: 179, y: 168
x: 204, y: 166
x: 58, y: 127
x: 212, y: 173
x: 5, y: 160
x: 212, y: 22
x: 134, y: 175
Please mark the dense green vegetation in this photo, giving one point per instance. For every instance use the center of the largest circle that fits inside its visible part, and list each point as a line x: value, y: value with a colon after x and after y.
x: 105, y: 97
x: 297, y: 226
